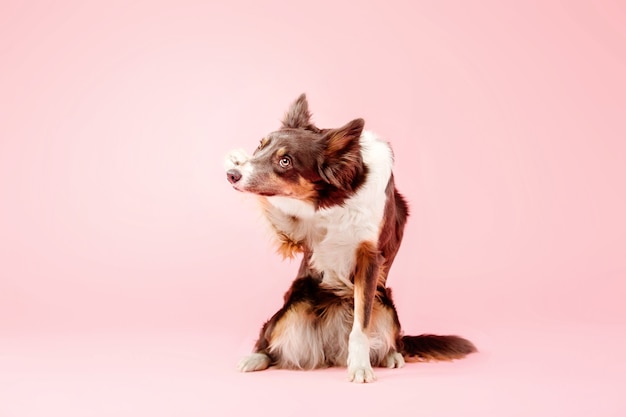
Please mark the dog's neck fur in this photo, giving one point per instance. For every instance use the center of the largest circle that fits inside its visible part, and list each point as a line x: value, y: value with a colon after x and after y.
x: 330, y: 236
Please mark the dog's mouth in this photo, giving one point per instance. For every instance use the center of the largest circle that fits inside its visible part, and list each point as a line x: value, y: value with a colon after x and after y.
x: 266, y: 185
x: 266, y: 194
x: 255, y: 186
x: 251, y: 190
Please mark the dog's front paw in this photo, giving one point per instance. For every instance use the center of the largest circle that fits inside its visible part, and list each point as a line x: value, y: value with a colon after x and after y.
x: 235, y: 158
x: 359, y: 365
x: 361, y: 374
x: 254, y: 362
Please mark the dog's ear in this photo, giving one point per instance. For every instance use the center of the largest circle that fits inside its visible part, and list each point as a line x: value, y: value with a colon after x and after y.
x: 341, y: 162
x: 298, y: 115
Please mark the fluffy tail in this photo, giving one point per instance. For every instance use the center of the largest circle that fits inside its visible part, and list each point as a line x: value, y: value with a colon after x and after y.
x: 429, y: 347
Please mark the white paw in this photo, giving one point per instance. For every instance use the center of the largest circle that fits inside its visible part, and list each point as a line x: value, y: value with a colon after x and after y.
x: 359, y: 366
x: 235, y: 158
x: 361, y: 374
x: 254, y: 362
x: 394, y: 360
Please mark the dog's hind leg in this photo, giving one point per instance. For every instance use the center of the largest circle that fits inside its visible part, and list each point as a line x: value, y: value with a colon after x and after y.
x: 295, y: 341
x: 384, y: 333
x: 290, y: 339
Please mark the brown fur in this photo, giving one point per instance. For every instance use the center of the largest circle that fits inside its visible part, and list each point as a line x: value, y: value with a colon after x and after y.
x: 365, y: 281
x: 429, y: 347
x: 341, y: 164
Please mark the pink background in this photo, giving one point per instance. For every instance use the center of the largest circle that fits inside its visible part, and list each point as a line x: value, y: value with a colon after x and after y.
x: 133, y: 277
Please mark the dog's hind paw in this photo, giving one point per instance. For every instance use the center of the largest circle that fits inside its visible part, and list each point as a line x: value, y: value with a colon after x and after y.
x: 254, y: 362
x: 393, y: 360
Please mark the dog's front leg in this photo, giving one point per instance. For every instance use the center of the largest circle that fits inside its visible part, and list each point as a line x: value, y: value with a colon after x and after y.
x: 365, y: 280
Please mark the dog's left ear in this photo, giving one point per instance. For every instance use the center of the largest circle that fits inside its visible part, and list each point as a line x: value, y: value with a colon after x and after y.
x: 341, y: 162
x: 298, y: 115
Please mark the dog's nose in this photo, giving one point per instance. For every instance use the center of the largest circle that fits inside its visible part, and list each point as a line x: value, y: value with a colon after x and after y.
x: 233, y: 175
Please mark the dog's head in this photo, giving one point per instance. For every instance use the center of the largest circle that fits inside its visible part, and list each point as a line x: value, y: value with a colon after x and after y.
x: 301, y: 161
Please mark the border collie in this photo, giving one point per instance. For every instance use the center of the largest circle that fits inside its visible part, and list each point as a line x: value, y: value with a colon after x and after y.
x: 329, y: 194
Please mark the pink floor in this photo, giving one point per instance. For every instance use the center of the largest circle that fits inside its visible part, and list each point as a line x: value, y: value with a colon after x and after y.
x: 551, y: 369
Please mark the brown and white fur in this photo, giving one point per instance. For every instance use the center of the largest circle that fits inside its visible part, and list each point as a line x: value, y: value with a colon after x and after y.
x: 330, y: 195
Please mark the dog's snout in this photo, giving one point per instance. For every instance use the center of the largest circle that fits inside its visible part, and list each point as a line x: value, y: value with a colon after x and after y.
x: 233, y: 175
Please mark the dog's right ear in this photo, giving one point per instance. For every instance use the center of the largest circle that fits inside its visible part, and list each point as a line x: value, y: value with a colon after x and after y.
x: 298, y: 115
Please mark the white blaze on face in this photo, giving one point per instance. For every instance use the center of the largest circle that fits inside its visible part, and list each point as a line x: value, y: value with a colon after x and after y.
x: 235, y: 158
x: 239, y: 159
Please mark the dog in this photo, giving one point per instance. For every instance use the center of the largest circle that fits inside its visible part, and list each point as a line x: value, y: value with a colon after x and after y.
x: 329, y: 195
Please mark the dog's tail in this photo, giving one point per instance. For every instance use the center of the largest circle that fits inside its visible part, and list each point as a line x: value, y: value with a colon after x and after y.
x: 428, y: 347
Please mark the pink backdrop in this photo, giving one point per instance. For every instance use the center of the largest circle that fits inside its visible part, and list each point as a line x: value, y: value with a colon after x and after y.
x: 132, y: 277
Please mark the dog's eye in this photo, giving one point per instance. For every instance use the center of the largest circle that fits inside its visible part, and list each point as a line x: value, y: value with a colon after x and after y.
x: 284, y: 162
